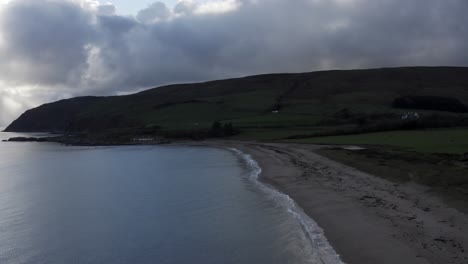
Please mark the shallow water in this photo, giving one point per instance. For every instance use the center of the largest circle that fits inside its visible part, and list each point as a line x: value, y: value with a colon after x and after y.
x: 150, y: 204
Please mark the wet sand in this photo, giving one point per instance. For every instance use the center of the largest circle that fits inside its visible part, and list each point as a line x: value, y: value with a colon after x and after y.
x: 367, y: 219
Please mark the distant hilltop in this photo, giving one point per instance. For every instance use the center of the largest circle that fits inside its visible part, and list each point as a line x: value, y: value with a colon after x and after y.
x: 296, y: 102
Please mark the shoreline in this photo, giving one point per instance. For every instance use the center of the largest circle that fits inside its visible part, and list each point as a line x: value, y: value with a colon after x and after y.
x: 325, y: 253
x: 365, y: 218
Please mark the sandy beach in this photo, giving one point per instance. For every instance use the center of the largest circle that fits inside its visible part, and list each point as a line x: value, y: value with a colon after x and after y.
x: 367, y: 219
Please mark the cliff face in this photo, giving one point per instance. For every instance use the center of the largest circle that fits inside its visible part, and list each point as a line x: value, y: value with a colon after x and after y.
x: 301, y: 100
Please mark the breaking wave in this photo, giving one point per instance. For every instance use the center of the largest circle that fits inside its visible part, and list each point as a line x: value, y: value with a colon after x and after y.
x: 320, y: 251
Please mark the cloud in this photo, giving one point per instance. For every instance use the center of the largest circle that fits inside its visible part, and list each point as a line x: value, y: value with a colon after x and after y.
x: 44, y: 42
x: 185, y: 7
x: 61, y: 48
x: 217, y: 7
x: 155, y: 12
x: 107, y: 9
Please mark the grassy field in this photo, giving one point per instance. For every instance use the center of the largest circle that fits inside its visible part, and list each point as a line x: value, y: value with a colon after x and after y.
x: 451, y: 141
x: 306, y: 102
x: 268, y: 134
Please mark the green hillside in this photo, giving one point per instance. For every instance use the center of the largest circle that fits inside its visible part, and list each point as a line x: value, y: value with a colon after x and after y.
x: 307, y: 103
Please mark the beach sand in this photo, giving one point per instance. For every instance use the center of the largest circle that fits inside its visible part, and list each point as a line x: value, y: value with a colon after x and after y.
x: 366, y: 219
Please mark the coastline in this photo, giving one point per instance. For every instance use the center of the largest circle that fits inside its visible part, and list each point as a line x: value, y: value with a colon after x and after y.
x: 323, y: 252
x: 365, y: 218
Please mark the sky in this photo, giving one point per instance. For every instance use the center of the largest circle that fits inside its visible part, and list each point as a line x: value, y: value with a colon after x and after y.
x: 56, y: 49
x: 131, y: 7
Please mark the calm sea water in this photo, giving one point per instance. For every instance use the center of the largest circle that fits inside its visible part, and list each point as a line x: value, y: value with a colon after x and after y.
x: 151, y: 204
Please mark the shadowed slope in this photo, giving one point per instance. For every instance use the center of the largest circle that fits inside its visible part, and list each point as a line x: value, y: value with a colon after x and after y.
x: 303, y: 99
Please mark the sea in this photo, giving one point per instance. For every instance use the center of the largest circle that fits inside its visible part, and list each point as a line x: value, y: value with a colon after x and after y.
x: 146, y: 204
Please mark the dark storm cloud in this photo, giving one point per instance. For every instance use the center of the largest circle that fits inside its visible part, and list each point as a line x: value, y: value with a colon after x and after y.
x: 82, y: 47
x: 44, y: 42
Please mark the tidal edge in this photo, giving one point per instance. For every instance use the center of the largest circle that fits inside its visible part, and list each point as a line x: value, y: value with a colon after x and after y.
x: 365, y: 218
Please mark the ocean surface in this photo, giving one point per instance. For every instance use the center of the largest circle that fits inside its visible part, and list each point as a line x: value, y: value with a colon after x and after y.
x: 146, y: 204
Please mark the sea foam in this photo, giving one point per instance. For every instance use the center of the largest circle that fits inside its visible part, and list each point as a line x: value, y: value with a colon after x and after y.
x: 320, y: 251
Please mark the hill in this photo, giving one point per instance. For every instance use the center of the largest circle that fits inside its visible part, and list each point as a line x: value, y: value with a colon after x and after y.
x: 268, y: 106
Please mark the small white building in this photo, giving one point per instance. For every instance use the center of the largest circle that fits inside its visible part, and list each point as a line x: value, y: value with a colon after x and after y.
x: 143, y: 139
x: 410, y: 116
